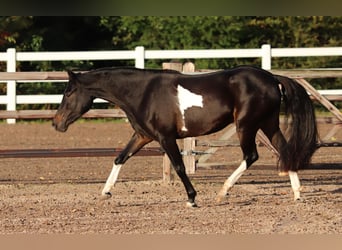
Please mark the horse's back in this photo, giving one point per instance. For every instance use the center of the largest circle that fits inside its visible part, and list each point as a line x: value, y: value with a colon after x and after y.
x: 191, y: 105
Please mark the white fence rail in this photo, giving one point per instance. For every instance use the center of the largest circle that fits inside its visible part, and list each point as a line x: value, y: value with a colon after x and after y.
x: 139, y: 55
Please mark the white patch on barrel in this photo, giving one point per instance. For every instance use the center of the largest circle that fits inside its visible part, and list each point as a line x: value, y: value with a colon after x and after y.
x: 187, y: 99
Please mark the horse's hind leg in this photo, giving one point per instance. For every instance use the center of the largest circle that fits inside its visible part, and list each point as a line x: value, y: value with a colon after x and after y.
x: 295, y: 184
x: 171, y: 148
x: 135, y: 144
x: 272, y: 131
x: 250, y: 155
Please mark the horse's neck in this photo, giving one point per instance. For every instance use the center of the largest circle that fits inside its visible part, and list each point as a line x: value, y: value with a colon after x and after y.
x: 123, y: 93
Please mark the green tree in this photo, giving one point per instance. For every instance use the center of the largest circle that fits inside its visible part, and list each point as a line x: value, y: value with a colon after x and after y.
x: 168, y: 32
x: 221, y: 32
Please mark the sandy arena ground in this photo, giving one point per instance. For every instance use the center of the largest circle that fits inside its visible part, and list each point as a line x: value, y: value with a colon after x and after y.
x: 61, y: 195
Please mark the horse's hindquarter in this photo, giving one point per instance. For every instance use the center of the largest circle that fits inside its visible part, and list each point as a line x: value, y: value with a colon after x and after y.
x: 256, y: 94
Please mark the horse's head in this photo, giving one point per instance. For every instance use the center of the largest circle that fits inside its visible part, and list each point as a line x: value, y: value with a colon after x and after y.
x: 76, y: 101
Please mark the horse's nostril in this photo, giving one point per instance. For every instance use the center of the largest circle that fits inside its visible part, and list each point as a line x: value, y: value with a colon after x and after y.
x: 54, y: 123
x: 56, y: 119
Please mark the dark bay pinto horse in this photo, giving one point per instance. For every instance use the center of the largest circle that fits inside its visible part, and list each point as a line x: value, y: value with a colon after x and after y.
x: 165, y: 105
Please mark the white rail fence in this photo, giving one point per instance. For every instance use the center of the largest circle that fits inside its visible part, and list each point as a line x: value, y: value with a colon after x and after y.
x: 139, y: 55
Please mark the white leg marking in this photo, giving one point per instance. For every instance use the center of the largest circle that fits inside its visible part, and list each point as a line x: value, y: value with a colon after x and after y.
x: 229, y: 183
x: 111, y: 179
x: 295, y: 183
x: 187, y: 99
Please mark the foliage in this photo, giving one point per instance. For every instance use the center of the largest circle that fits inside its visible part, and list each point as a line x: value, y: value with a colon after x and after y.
x: 27, y: 33
x: 220, y: 32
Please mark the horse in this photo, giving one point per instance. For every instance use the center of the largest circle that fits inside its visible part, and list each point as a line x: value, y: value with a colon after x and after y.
x: 166, y: 105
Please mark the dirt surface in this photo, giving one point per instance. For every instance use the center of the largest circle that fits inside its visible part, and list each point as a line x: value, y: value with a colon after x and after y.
x: 61, y: 195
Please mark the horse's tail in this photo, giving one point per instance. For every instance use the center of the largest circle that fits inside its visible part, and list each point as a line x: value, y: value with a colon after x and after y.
x: 302, y: 128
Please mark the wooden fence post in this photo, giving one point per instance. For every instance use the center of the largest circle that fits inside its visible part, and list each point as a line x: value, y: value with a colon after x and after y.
x: 173, y: 65
x: 189, y: 156
x: 167, y: 176
x: 190, y: 142
x: 11, y: 85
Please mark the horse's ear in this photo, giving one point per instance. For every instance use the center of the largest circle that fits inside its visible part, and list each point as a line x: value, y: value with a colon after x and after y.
x: 72, y: 85
x: 71, y: 74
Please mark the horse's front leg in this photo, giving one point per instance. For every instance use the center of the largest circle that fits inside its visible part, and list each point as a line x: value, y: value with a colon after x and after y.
x: 171, y: 148
x: 111, y: 180
x: 135, y: 144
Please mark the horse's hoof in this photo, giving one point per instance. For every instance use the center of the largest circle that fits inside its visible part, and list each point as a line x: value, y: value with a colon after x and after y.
x: 106, y: 196
x: 223, y: 194
x: 219, y: 199
x: 191, y: 204
x: 299, y: 200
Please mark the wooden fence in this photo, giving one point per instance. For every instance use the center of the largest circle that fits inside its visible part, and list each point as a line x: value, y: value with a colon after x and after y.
x: 300, y: 75
x: 11, y: 57
x: 189, y: 150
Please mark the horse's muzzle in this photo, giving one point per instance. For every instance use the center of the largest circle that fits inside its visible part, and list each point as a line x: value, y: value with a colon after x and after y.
x: 58, y: 124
